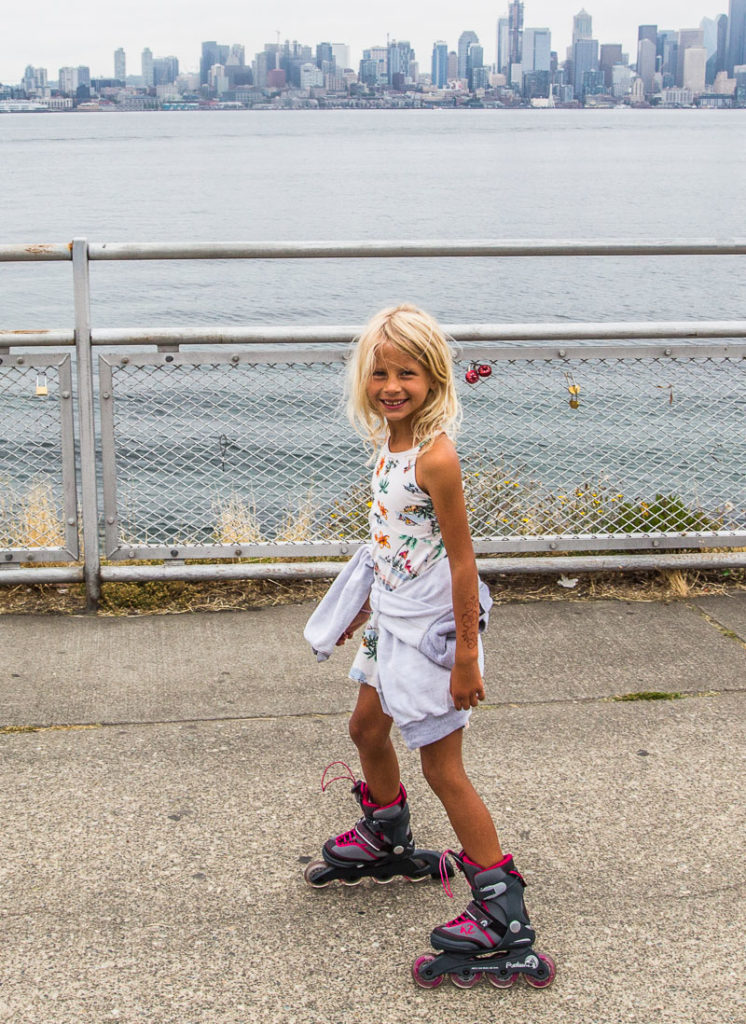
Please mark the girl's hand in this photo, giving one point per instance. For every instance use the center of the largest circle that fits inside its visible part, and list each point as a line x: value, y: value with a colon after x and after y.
x: 467, y: 686
x: 360, y: 619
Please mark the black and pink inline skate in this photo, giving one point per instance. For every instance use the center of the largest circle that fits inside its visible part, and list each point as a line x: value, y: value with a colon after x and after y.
x: 492, y: 939
x: 379, y: 846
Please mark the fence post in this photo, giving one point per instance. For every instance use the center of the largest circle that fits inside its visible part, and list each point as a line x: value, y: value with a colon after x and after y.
x: 91, y: 553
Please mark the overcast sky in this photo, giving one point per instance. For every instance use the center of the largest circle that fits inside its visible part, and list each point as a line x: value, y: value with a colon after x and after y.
x: 56, y: 33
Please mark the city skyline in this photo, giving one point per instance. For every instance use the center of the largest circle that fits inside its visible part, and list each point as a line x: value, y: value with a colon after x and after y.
x: 74, y: 35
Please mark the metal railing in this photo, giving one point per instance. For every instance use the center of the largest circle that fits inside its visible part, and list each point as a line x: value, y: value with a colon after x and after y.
x: 238, y: 450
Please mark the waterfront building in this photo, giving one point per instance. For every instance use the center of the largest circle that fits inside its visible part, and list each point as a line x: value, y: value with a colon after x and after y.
x: 120, y: 65
x: 695, y: 65
x: 440, y: 64
x: 677, y: 97
x: 687, y: 37
x: 465, y: 41
x: 146, y: 65
x: 736, y: 42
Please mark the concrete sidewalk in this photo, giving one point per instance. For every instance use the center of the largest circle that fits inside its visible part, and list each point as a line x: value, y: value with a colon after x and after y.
x: 155, y: 830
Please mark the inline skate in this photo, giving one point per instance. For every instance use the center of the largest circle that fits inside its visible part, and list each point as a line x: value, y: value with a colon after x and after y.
x: 379, y: 846
x: 492, y: 938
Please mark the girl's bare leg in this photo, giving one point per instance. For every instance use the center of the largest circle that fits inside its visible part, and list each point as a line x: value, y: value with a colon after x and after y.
x: 370, y: 731
x: 443, y: 768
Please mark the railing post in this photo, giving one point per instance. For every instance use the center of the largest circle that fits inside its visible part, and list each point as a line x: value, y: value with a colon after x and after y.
x: 91, y: 553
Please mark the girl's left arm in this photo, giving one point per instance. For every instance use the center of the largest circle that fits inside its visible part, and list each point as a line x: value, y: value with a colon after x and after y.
x: 439, y: 473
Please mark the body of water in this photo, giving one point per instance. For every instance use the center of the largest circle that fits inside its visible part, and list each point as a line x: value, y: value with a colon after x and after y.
x: 645, y: 175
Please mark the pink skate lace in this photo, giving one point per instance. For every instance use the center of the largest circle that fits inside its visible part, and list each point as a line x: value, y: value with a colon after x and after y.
x: 443, y: 867
x: 349, y: 777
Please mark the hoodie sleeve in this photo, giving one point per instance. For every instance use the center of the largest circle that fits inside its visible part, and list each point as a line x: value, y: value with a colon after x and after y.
x: 341, y: 603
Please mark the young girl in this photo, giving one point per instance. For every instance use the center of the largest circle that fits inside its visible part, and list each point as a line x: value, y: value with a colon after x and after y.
x: 416, y: 591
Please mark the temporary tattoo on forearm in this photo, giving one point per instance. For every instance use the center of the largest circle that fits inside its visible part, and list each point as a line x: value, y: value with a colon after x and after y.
x: 470, y: 623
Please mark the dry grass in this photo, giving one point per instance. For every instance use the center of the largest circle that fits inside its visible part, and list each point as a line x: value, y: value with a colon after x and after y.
x: 30, y: 519
x: 178, y: 597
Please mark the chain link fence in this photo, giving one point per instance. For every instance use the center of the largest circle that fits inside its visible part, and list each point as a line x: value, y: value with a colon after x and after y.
x: 230, y: 443
x: 38, y: 504
x: 249, y: 454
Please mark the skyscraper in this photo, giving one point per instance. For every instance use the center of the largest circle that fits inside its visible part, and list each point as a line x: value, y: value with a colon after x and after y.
x: 146, y: 64
x: 440, y: 64
x: 585, y: 61
x: 341, y: 53
x: 120, y: 65
x: 503, y: 46
x: 687, y: 37
x: 515, y: 30
x: 537, y: 49
x: 647, y: 51
x: 465, y: 40
x: 610, y: 56
x: 736, y: 49
x: 212, y: 53
x: 582, y: 26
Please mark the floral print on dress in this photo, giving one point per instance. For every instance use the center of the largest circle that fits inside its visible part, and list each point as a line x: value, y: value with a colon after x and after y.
x: 405, y: 533
x: 370, y: 642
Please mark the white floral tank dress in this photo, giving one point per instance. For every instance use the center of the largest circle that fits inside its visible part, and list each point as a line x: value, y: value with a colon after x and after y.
x: 405, y: 539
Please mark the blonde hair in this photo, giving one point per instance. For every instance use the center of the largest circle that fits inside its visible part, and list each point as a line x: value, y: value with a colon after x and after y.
x: 416, y: 334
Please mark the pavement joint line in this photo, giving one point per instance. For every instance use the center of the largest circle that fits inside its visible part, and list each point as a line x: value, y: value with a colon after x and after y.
x: 12, y: 730
x: 591, y: 900
x: 724, y: 630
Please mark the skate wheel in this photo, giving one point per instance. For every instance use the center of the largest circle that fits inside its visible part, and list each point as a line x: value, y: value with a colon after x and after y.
x: 548, y: 965
x: 351, y: 881
x: 416, y: 878
x: 460, y: 981
x: 417, y: 967
x: 314, y: 872
x: 385, y: 880
x: 498, y: 982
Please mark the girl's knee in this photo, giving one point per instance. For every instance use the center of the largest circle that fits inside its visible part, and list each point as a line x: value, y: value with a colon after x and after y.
x: 369, y: 731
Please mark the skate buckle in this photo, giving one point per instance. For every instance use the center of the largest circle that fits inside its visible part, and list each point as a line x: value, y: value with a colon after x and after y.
x: 489, y: 892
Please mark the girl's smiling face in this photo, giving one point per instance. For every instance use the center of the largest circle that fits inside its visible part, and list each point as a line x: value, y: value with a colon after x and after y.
x: 398, y: 386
